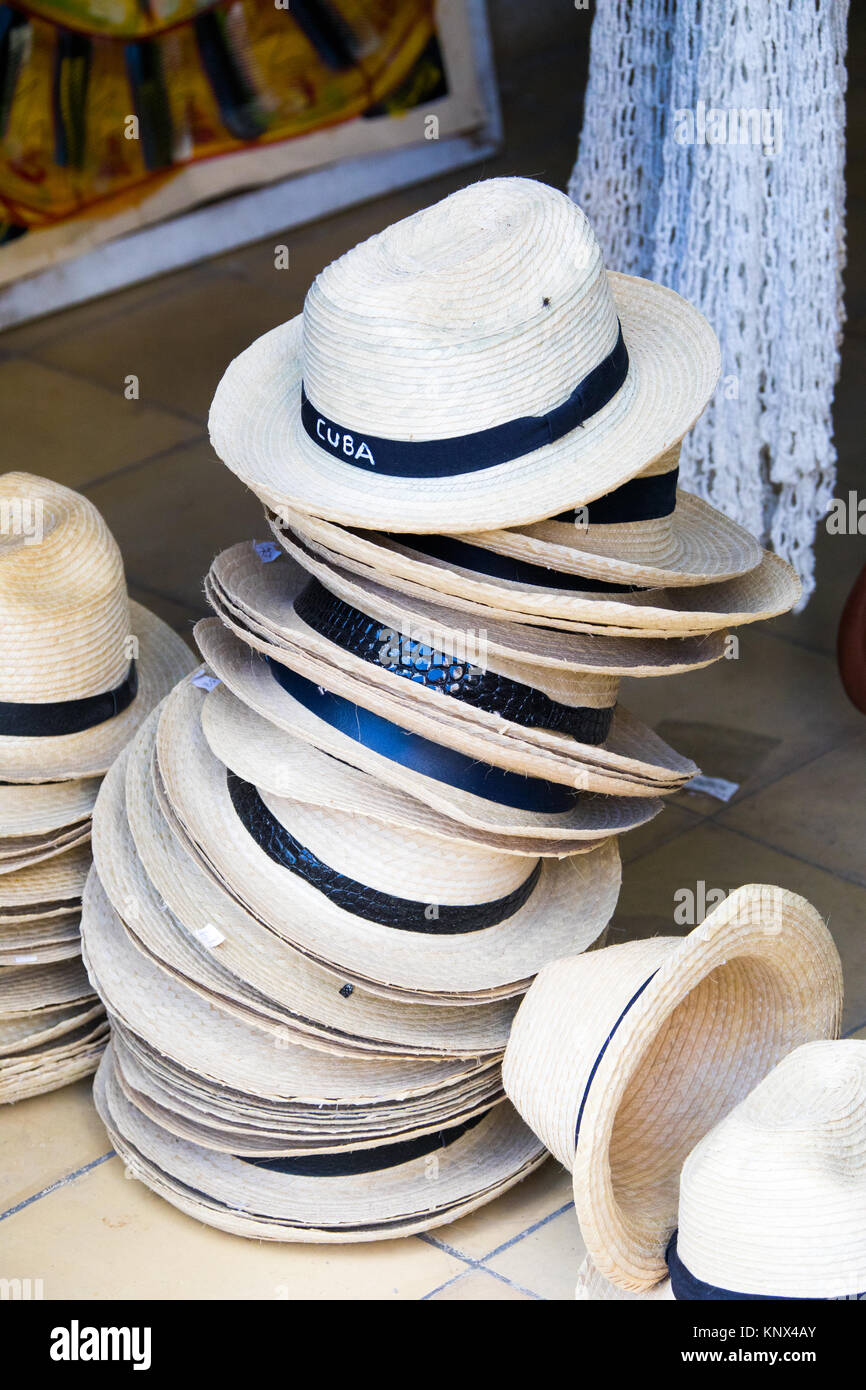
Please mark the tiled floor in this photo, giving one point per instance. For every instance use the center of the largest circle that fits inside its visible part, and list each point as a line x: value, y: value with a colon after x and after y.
x: 775, y: 721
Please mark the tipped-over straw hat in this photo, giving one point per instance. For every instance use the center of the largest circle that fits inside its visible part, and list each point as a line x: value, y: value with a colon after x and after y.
x: 621, y: 1060
x: 472, y: 366
x: 475, y: 579
x: 542, y: 720
x: 391, y: 908
x: 81, y: 665
x: 592, y: 1287
x: 648, y: 532
x: 773, y: 1200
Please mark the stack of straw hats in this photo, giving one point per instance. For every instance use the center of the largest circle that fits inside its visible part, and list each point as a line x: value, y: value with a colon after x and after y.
x: 393, y: 794
x: 623, y: 1060
x: 80, y: 668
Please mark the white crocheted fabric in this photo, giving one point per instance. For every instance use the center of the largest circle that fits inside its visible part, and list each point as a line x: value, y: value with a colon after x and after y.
x: 711, y: 159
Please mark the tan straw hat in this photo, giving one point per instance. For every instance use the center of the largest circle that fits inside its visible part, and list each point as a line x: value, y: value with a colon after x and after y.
x: 467, y: 576
x: 621, y: 1060
x: 81, y: 665
x: 369, y: 1193
x: 458, y: 784
x: 537, y: 720
x: 385, y: 906
x: 773, y: 1200
x: 648, y: 533
x: 35, y: 809
x: 472, y: 366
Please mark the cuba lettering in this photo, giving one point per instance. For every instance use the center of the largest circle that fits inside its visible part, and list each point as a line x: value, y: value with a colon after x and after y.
x: 344, y: 443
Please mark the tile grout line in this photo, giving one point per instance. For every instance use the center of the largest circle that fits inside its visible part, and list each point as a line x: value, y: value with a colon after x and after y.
x: 143, y: 463
x: 79, y: 378
x: 512, y: 1284
x: 856, y: 1029
x: 54, y: 1186
x: 790, y: 854
x: 530, y: 1230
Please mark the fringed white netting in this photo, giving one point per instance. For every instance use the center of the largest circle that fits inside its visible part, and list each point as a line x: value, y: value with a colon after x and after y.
x: 743, y: 214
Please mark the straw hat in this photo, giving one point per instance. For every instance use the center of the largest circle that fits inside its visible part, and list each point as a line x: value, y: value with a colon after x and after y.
x: 368, y: 1194
x: 456, y: 784
x: 773, y: 1200
x: 81, y: 665
x: 550, y: 721
x: 54, y: 886
x: 472, y: 366
x: 646, y: 533
x: 381, y: 904
x: 621, y: 1060
x: 174, y: 911
x: 495, y: 587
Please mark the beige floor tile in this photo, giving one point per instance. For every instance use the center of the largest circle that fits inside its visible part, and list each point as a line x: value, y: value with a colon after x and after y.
x: 177, y: 347
x: 171, y: 517
x: 43, y: 1139
x: 73, y: 430
x: 479, y: 1286
x: 722, y: 858
x: 748, y: 720
x: 476, y: 1235
x: 106, y: 1236
x: 669, y: 823
x: 817, y: 812
x: 545, y: 1262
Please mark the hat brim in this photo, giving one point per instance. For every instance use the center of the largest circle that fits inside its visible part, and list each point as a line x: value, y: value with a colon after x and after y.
x: 696, y: 544
x: 163, y: 659
x: 567, y: 910
x: 34, y: 809
x: 632, y: 760
x: 592, y: 1287
x: 53, y: 886
x: 536, y: 646
x: 249, y: 678
x: 246, y: 1199
x: 674, y: 362
x: 772, y: 587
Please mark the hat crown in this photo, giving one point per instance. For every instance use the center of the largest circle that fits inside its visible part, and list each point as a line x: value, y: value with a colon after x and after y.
x: 64, y: 612
x: 773, y: 1199
x: 486, y: 307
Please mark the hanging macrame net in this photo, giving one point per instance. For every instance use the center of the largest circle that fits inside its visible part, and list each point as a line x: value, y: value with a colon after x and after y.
x: 711, y: 159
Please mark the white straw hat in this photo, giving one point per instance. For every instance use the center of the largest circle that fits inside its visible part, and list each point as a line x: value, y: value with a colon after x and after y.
x: 472, y: 366
x: 457, y: 784
x: 387, y: 907
x: 621, y: 1060
x: 538, y: 720
x: 81, y: 665
x: 647, y: 533
x: 467, y: 576
x: 368, y: 1194
x: 773, y: 1200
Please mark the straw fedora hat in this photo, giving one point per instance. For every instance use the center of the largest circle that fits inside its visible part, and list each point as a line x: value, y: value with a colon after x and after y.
x: 53, y: 886
x: 472, y: 366
x: 81, y: 665
x: 648, y: 533
x: 369, y: 1193
x: 179, y: 916
x: 565, y: 723
x: 773, y: 1200
x: 477, y: 580
x: 623, y: 1059
x: 460, y: 785
x: 387, y: 907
